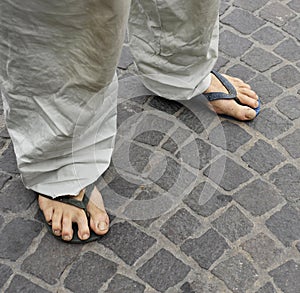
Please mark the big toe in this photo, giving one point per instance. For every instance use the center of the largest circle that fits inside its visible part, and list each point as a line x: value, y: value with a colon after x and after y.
x: 99, y: 222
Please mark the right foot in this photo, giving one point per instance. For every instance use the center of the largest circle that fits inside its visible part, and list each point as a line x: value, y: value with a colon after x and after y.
x: 61, y: 216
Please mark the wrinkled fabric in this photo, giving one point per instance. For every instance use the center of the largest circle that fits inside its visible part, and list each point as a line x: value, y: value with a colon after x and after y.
x: 175, y: 45
x: 58, y: 82
x: 59, y: 88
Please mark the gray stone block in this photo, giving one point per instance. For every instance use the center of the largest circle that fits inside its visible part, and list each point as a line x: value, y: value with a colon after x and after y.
x: 15, y: 197
x: 122, y: 187
x: 122, y: 284
x: 176, y: 139
x: 21, y: 284
x: 268, y: 36
x: 289, y: 49
x: 267, y: 288
x: 277, y: 13
x: 128, y: 242
x: 5, y: 273
x: 205, y: 199
x: 262, y: 157
x: 287, y: 76
x: 167, y: 106
x: 88, y: 274
x: 206, y: 249
x: 241, y: 71
x: 292, y: 27
x: 198, y: 153
x: 180, y: 226
x: 8, y: 161
x: 233, y: 45
x: 163, y: 271
x: 138, y: 157
x: 287, y: 179
x: 237, y: 272
x: 228, y: 174
x: 287, y: 276
x: 4, y: 133
x: 17, y: 236
x: 243, y: 21
x: 234, y: 136
x: 1, y: 221
x: 285, y: 225
x: 291, y: 143
x: 50, y: 259
x: 3, y: 179
x: 295, y: 5
x: 258, y: 197
x: 270, y: 124
x: 191, y: 121
x: 125, y: 111
x: 261, y: 59
x: 221, y: 62
x: 233, y: 224
x: 265, y: 89
x: 173, y: 177
x: 250, y: 5
x: 263, y: 250
x: 289, y: 106
x: 152, y: 138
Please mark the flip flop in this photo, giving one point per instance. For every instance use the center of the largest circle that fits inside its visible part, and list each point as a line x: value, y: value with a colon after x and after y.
x: 79, y: 204
x: 232, y: 94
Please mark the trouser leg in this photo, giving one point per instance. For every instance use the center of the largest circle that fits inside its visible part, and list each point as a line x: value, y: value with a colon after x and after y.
x: 59, y: 89
x: 174, y: 44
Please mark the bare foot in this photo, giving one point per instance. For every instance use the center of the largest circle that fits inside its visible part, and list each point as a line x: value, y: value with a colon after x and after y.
x: 246, y: 96
x: 61, y: 216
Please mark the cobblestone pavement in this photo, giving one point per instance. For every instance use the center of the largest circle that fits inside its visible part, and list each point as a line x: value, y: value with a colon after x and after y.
x: 206, y: 204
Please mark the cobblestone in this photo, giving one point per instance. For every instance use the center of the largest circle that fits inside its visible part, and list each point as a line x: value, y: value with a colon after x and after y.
x: 180, y: 226
x: 233, y: 176
x: 122, y: 284
x: 163, y: 271
x: 285, y: 225
x: 237, y: 272
x: 267, y: 288
x: 271, y: 124
x: 233, y: 224
x: 287, y: 76
x: 291, y: 143
x: 89, y: 273
x: 206, y: 249
x: 289, y: 106
x: 42, y: 265
x: 258, y: 197
x: 289, y: 50
x: 19, y: 284
x: 19, y: 234
x: 128, y: 246
x: 262, y: 157
x: 287, y: 276
x: 268, y: 36
x: 277, y: 13
x: 263, y: 250
x: 234, y: 136
x: 261, y: 59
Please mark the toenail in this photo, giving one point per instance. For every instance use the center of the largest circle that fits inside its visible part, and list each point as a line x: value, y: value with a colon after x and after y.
x: 85, y: 236
x: 56, y: 232
x: 66, y: 238
x: 102, y: 226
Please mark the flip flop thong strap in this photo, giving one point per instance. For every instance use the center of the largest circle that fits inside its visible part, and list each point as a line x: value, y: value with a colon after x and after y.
x: 232, y: 94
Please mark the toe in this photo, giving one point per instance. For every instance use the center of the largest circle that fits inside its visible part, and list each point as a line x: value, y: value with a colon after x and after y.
x: 83, y: 227
x: 57, y: 221
x: 245, y: 100
x: 100, y: 223
x: 67, y: 231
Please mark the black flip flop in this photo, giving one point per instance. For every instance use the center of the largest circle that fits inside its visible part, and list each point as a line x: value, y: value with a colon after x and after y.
x: 232, y: 94
x: 79, y: 204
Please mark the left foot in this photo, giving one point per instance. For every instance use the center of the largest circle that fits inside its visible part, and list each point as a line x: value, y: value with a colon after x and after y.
x: 246, y: 96
x: 61, y: 216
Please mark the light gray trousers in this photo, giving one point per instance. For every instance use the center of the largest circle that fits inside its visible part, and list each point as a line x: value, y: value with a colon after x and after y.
x: 58, y: 84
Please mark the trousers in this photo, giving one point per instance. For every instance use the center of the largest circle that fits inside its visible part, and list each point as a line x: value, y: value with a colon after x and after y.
x: 58, y: 83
